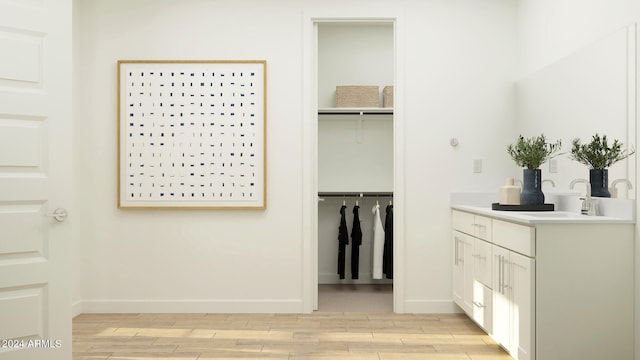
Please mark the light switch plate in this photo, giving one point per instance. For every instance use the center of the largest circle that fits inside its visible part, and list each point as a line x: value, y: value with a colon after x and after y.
x: 477, y: 166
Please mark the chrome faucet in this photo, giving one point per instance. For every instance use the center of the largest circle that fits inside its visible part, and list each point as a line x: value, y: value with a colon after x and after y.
x: 588, y: 207
x: 614, y: 190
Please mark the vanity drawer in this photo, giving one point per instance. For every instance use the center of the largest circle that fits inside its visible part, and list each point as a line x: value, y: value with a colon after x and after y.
x: 483, y: 227
x: 462, y: 221
x: 518, y: 238
x: 474, y: 225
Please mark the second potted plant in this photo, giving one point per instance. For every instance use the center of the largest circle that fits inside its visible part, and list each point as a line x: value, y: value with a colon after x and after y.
x: 599, y: 155
x: 530, y: 153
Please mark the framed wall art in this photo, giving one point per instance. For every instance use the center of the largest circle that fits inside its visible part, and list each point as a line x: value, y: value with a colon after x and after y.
x: 192, y: 134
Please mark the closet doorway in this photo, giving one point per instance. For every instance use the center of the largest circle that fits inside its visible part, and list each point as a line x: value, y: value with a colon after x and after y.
x: 355, y: 165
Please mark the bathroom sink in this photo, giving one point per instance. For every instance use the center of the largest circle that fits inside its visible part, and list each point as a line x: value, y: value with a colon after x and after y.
x: 556, y: 215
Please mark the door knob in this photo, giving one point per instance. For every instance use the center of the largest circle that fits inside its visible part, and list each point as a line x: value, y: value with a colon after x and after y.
x: 59, y: 214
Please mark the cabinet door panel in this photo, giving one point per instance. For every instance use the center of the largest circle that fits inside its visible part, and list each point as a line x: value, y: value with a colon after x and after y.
x: 483, y: 306
x: 458, y: 269
x: 482, y: 262
x: 522, y: 286
x: 501, y: 297
x: 463, y: 271
x: 467, y: 251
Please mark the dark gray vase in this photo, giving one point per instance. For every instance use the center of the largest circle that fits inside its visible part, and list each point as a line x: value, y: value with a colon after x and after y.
x: 599, y: 179
x: 531, y: 187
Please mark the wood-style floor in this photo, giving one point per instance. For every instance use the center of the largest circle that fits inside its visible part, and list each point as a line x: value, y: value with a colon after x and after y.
x: 320, y: 335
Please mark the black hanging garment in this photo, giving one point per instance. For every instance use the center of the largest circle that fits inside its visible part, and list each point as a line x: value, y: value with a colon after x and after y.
x: 343, y: 241
x: 356, y: 241
x: 387, y: 256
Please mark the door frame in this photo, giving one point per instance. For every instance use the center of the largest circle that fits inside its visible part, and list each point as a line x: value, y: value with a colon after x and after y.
x: 310, y: 153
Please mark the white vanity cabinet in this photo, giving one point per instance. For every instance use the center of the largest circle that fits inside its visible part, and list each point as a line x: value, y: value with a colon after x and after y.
x: 559, y: 290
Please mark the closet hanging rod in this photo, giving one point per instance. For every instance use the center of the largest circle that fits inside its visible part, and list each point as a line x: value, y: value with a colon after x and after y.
x: 355, y: 194
x: 320, y: 112
x: 355, y: 111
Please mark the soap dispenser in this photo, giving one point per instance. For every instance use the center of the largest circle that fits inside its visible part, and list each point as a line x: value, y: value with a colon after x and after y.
x: 509, y: 193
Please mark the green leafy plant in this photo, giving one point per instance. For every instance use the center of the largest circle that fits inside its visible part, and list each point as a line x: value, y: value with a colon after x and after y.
x: 598, y: 154
x: 533, y: 152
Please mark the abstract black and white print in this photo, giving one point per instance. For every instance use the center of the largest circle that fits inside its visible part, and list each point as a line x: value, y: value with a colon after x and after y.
x: 192, y: 133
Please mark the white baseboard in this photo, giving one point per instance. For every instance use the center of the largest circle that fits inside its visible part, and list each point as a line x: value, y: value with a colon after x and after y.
x: 76, y: 309
x: 231, y: 306
x: 431, y: 307
x: 187, y: 306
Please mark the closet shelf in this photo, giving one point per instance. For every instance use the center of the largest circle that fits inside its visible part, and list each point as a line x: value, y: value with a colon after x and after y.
x: 356, y: 194
x: 355, y: 111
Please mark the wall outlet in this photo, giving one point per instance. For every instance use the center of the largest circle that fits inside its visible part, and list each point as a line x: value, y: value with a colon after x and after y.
x: 553, y: 166
x: 477, y: 166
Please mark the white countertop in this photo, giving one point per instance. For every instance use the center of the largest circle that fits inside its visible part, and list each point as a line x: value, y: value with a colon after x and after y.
x: 544, y: 217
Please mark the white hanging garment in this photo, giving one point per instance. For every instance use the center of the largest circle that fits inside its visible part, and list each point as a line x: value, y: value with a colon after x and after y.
x: 378, y: 243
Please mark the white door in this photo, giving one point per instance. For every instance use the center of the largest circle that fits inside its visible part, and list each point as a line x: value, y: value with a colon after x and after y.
x: 35, y: 179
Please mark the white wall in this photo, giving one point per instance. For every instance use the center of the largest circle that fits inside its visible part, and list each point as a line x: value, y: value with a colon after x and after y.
x: 459, y: 67
x: 460, y: 58
x: 353, y: 54
x: 142, y: 260
x: 354, y: 154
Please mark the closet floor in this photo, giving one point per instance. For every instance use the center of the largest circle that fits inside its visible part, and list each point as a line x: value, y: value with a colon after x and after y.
x: 355, y: 298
